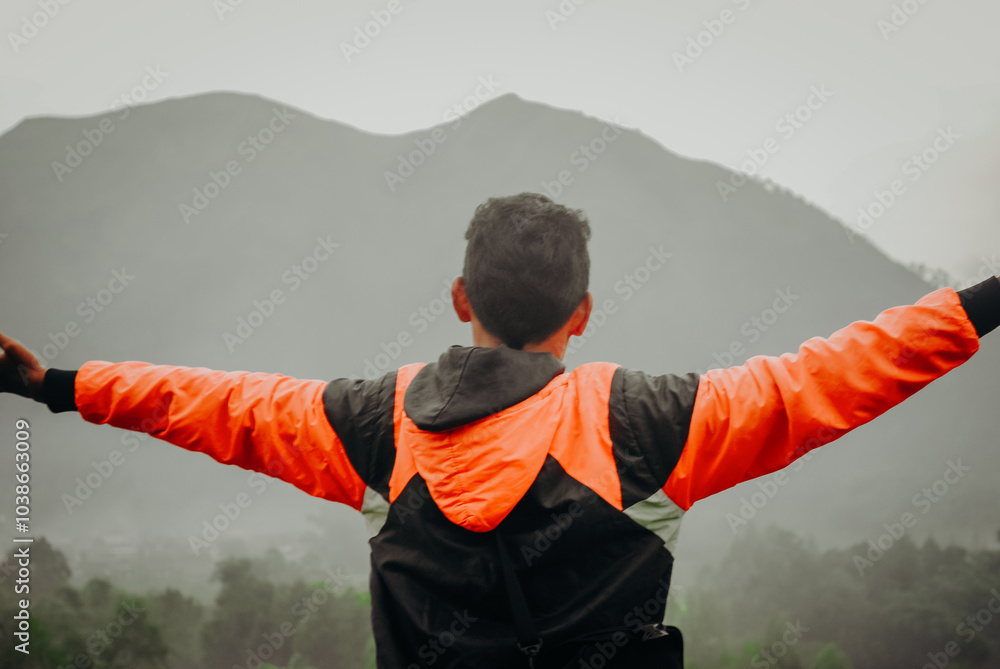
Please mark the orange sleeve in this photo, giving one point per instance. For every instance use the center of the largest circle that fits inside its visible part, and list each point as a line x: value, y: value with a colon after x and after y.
x: 268, y: 423
x: 758, y: 417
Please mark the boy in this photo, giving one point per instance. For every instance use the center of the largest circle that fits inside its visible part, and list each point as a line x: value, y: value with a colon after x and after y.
x: 514, y: 504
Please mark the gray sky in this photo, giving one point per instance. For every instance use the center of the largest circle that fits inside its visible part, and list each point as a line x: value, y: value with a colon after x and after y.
x: 711, y: 80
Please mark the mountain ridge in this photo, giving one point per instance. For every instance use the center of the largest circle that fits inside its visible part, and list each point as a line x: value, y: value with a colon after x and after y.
x: 198, y: 274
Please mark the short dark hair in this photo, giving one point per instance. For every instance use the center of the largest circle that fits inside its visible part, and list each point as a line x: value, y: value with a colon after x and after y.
x: 526, y: 266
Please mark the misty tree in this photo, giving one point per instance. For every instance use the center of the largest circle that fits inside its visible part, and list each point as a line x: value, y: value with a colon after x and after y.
x: 245, y: 624
x: 775, y: 600
x: 337, y: 634
x: 129, y: 640
x: 94, y: 627
x: 908, y: 603
x: 180, y: 619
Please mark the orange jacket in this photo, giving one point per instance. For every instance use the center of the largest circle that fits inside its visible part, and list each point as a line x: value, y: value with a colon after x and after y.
x: 588, y: 472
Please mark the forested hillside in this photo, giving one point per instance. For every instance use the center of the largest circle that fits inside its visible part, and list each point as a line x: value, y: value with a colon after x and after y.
x: 775, y: 601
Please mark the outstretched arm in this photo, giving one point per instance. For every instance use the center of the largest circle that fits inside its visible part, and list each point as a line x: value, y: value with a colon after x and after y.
x: 758, y: 417
x: 269, y: 423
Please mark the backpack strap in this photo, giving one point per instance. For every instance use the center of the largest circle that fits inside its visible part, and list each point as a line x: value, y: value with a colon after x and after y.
x: 528, y: 639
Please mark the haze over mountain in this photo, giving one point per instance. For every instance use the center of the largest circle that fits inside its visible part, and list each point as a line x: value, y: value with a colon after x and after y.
x: 198, y: 210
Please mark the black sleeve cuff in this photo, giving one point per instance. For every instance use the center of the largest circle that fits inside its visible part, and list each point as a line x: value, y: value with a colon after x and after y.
x: 58, y: 390
x: 982, y: 303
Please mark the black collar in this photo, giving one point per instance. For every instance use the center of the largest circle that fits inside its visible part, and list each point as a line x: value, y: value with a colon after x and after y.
x: 468, y: 383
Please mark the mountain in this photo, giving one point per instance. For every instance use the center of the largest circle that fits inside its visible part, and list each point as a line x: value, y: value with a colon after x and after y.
x: 163, y: 233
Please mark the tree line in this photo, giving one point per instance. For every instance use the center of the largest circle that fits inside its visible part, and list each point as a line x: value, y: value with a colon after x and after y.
x: 775, y: 601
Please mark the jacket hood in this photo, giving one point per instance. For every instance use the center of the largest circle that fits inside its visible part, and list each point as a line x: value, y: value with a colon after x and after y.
x: 469, y: 383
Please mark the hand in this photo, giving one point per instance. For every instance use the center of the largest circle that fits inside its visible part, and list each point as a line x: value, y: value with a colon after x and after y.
x: 20, y: 371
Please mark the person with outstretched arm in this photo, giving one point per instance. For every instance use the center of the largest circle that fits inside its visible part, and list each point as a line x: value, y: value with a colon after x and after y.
x: 523, y: 514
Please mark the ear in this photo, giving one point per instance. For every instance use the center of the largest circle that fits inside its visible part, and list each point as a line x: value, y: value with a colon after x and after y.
x: 578, y: 321
x: 461, y: 300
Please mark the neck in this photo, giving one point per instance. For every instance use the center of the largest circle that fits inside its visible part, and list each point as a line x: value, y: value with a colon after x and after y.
x: 556, y: 344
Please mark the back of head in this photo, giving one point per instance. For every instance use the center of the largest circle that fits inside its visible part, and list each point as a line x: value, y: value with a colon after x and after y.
x: 526, y: 266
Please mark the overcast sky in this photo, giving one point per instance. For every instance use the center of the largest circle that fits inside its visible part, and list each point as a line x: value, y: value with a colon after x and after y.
x: 869, y: 84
